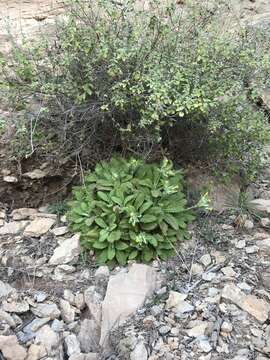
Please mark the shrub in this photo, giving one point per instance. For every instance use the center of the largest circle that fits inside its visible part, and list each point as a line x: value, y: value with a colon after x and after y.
x: 116, y: 71
x: 128, y: 209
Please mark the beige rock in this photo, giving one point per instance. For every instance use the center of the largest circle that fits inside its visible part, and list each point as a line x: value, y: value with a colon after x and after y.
x: 39, y: 227
x: 265, y: 222
x: 126, y: 292
x: 228, y: 271
x: 93, y: 301
x: 11, y: 349
x: 258, y: 308
x: 4, y: 316
x: 46, y: 310
x: 198, y: 330
x: 68, y: 251
x: 174, y: 299
x: 196, y: 269
x: 89, y: 336
x: 206, y: 260
x: 67, y: 311
x: 16, y: 307
x: 35, y: 174
x: 10, y: 179
x: 13, y: 227
x: 264, y: 245
x: 23, y: 213
x: 59, y: 231
x: 6, y: 290
x: 47, y: 338
x: 36, y: 352
x: 261, y: 206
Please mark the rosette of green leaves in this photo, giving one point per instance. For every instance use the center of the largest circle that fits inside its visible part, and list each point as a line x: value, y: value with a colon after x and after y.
x: 129, y: 210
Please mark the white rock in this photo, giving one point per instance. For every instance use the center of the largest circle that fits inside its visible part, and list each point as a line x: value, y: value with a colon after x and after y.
x: 46, y: 310
x: 102, y: 272
x: 48, y: 338
x: 13, y: 228
x: 68, y: 251
x: 4, y: 316
x: 11, y: 349
x: 240, y: 244
x: 196, y: 269
x: 204, y: 345
x: 261, y: 205
x: 72, y: 345
x: 10, y: 179
x: 23, y: 213
x: 206, y: 260
x: 226, y: 327
x: 252, y: 249
x: 36, y: 352
x: 198, y: 330
x: 67, y: 312
x: 126, y: 292
x: 183, y: 308
x: 263, y: 245
x: 38, y: 227
x: 174, y: 299
x: 79, y: 301
x: 256, y: 307
x: 2, y: 214
x: 265, y: 222
x: 89, y: 336
x: 16, y: 307
x: 59, y: 231
x: 228, y: 271
x: 6, y: 290
x: 139, y: 353
x: 93, y: 301
x: 248, y: 225
x: 208, y: 276
x: 35, y: 174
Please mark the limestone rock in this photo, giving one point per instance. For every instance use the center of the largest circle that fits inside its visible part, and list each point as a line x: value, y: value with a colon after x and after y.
x: 38, y: 227
x: 264, y: 246
x: 93, y: 301
x: 174, y: 299
x: 4, y: 316
x: 36, y: 352
x: 46, y: 310
x: 10, y: 179
x: 35, y: 174
x: 23, y: 213
x: 89, y: 336
x: 11, y: 349
x: 258, y: 308
x: 126, y: 292
x: 13, y: 228
x: 261, y: 205
x: 48, y: 338
x: 59, y: 231
x: 16, y: 307
x: 67, y: 312
x: 5, y: 290
x: 68, y: 251
x: 72, y: 345
x: 139, y: 353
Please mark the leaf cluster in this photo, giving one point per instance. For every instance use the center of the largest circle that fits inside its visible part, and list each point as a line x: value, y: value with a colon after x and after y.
x: 130, y: 210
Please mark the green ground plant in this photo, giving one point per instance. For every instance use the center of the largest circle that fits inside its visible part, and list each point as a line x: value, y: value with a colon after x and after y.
x: 130, y: 210
x: 113, y: 70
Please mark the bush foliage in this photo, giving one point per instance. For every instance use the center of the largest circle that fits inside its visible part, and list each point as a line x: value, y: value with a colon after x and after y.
x: 128, y: 210
x: 116, y: 71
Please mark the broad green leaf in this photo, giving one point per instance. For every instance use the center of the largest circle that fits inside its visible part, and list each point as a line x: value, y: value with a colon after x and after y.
x: 102, y: 195
x: 121, y: 257
x: 171, y: 221
x: 145, y: 206
x: 147, y: 255
x: 111, y: 252
x: 133, y: 254
x: 153, y: 241
x: 114, y: 236
x: 149, y: 226
x: 101, y: 222
x: 139, y: 201
x: 99, y: 245
x: 120, y: 245
x: 117, y: 200
x: 148, y: 219
x: 90, y: 221
x: 103, y: 256
x: 103, y: 235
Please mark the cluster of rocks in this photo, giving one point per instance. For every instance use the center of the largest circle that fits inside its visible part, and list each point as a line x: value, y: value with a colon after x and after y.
x: 206, y: 303
x: 219, y: 308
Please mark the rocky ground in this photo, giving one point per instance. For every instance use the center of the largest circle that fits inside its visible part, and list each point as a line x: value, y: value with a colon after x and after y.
x: 211, y: 301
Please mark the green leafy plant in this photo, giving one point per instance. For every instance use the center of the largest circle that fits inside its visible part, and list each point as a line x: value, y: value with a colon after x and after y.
x: 129, y: 210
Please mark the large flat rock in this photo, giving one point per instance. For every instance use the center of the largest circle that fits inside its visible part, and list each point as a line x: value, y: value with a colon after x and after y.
x: 126, y: 292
